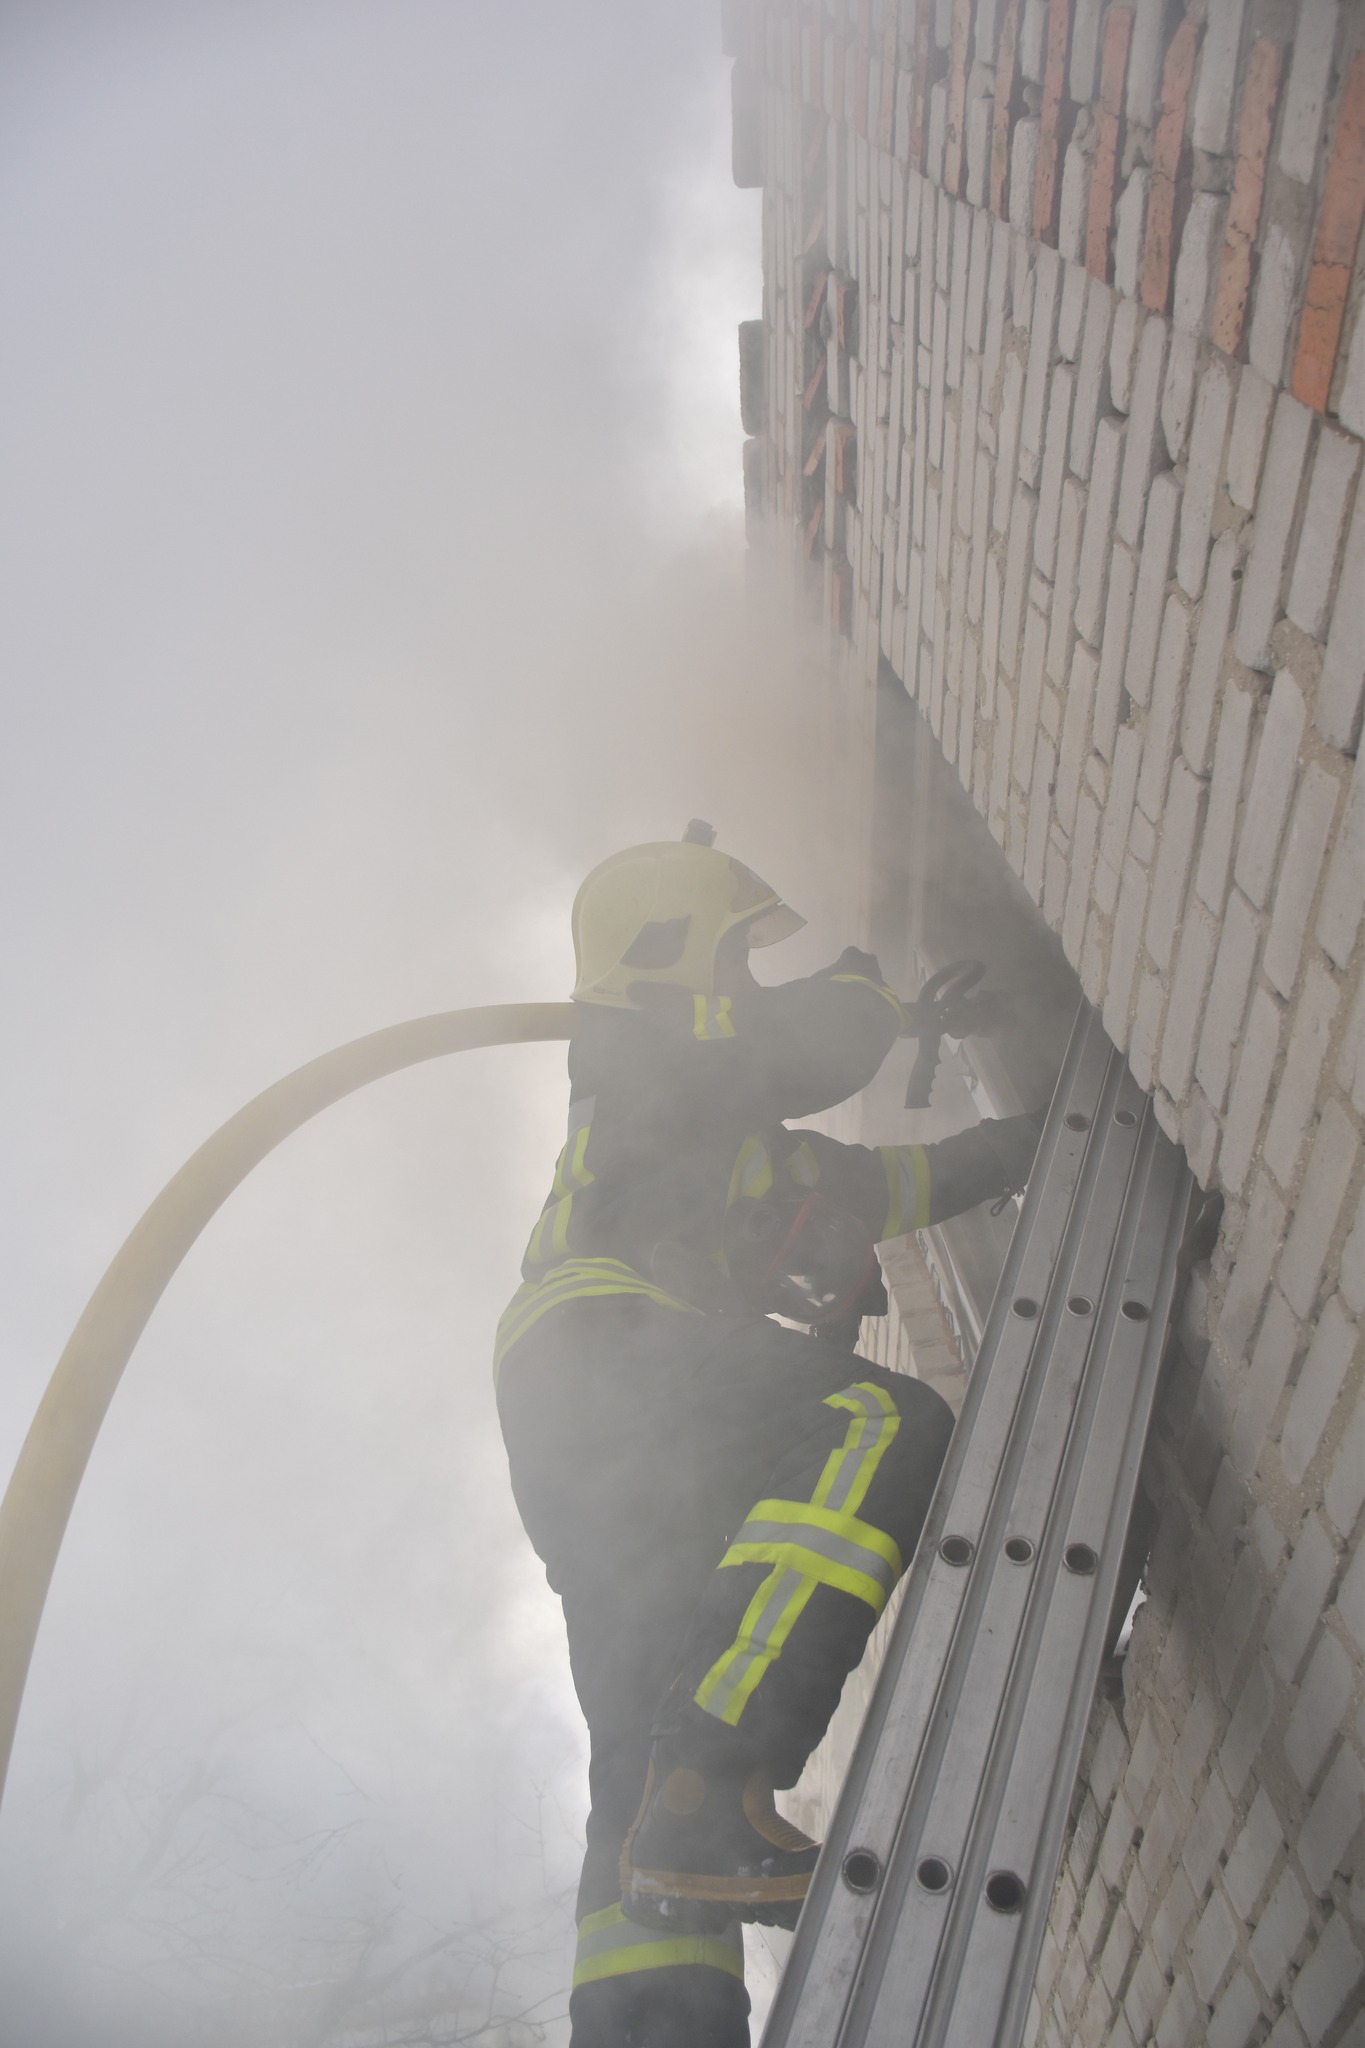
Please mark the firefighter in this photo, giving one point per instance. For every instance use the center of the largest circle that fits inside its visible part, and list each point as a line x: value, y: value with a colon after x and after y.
x: 722, y: 1502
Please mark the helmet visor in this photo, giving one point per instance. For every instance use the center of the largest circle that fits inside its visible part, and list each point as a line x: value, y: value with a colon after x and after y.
x: 769, y: 926
x: 772, y: 919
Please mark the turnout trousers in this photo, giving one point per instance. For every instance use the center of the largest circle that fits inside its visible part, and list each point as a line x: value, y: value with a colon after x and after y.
x: 723, y: 1506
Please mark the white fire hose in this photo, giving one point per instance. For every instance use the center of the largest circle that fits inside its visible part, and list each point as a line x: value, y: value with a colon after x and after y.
x: 42, y: 1491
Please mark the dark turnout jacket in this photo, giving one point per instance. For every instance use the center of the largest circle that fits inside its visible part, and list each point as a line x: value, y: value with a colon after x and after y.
x: 680, y: 1112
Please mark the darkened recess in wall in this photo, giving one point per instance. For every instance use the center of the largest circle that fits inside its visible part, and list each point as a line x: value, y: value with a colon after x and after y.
x: 753, y: 381
x: 943, y: 887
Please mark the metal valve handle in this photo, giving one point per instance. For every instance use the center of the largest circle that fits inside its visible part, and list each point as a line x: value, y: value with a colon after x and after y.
x: 944, y: 1008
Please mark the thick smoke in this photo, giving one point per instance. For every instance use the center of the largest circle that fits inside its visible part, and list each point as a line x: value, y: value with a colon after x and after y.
x: 373, y: 565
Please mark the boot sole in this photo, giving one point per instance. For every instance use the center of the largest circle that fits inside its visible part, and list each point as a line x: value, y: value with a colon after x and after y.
x: 699, y: 1903
x: 674, y: 1915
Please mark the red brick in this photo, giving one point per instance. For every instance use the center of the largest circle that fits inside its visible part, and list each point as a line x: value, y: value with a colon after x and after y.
x: 1264, y: 68
x: 863, y: 66
x: 1053, y: 134
x: 1168, y: 149
x: 845, y: 300
x: 1118, y: 32
x: 886, y: 112
x: 1334, y: 248
x: 919, y: 92
x: 845, y: 459
x: 1006, y: 108
x: 957, y: 95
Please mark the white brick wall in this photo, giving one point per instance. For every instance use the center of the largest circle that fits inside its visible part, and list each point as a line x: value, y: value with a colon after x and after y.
x: 1123, y: 574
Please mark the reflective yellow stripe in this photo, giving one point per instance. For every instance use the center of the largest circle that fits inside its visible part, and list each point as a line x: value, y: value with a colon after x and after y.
x: 571, y: 1171
x: 711, y: 1017
x: 554, y: 1217
x: 850, y: 1470
x: 811, y: 1564
x: 837, y: 1550
x: 907, y: 1189
x: 880, y: 989
x: 768, y: 1621
x: 801, y: 1515
x: 559, y: 1236
x: 797, y: 1571
x: 573, y: 1280
x: 752, y: 1174
x: 609, y: 1945
x: 802, y: 1165
x: 578, y: 1168
x: 556, y: 1221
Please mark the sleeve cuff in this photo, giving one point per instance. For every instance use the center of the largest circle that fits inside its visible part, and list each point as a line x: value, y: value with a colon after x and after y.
x: 878, y: 988
x: 909, y: 1202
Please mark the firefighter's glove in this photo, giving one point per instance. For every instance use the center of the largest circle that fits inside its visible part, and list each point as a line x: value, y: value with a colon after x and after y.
x: 988, y: 1163
x: 951, y: 1006
x: 852, y: 961
x: 1014, y: 1141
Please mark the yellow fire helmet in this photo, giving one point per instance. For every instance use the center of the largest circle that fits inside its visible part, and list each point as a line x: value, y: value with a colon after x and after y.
x: 659, y: 913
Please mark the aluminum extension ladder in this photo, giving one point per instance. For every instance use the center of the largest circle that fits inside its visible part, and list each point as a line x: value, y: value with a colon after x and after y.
x: 926, y: 1915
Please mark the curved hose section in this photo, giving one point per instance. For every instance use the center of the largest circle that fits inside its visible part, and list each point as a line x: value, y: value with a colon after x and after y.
x: 42, y: 1492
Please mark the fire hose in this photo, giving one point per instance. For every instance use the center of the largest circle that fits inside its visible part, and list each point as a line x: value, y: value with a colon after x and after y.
x: 42, y: 1491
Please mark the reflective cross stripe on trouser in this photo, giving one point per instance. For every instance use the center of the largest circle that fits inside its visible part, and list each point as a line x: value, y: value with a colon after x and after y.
x: 850, y: 1469
x: 609, y: 1945
x: 809, y: 1544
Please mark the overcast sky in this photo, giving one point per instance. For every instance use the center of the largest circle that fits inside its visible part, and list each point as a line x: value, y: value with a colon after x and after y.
x: 371, y: 563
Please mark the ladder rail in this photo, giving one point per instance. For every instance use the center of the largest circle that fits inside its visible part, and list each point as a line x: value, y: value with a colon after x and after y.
x: 1043, y: 1727
x: 969, y: 1749
x: 942, y: 1818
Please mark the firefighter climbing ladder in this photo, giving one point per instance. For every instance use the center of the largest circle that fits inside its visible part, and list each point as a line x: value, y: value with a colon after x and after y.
x: 926, y: 1914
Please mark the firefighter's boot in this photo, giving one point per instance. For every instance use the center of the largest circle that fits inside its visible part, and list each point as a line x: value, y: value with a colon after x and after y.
x: 708, y: 1846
